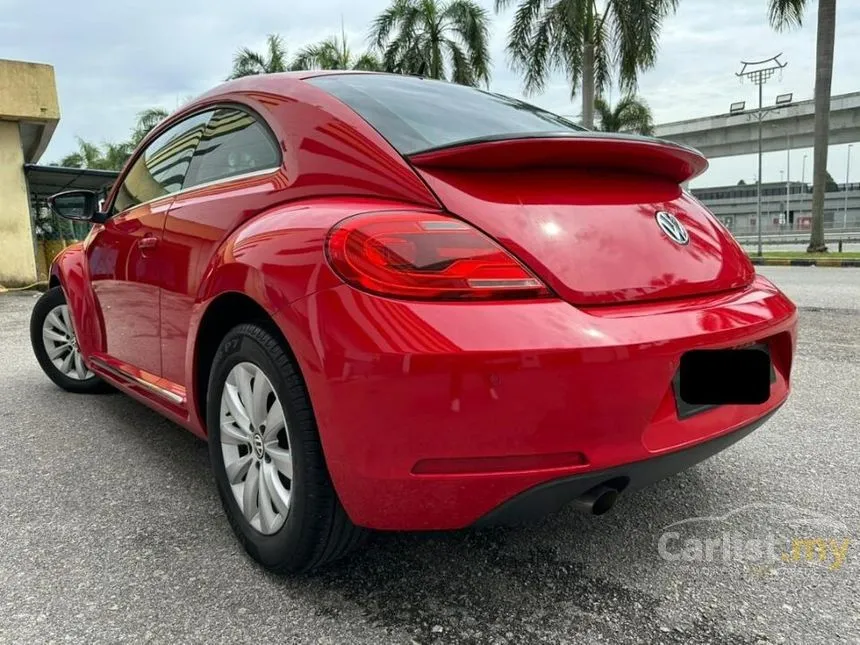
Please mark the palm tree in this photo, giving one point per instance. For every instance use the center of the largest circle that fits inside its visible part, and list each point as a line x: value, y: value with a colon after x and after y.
x: 90, y: 155
x: 785, y: 14
x: 248, y: 63
x: 630, y: 114
x: 71, y: 160
x: 334, y: 53
x: 146, y: 121
x: 444, y: 39
x: 591, y: 41
x: 112, y: 156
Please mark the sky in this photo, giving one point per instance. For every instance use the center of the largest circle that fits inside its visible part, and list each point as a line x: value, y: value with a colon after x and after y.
x: 113, y: 59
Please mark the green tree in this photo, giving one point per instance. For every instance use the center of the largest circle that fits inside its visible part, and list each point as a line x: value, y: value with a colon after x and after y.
x: 592, y: 42
x: 112, y: 156
x: 630, y: 114
x: 247, y: 62
x: 334, y: 53
x: 434, y: 38
x: 108, y: 156
x: 146, y: 121
x: 786, y: 14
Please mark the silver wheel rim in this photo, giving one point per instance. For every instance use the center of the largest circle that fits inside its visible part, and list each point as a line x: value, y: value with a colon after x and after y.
x: 256, y: 448
x: 61, y: 345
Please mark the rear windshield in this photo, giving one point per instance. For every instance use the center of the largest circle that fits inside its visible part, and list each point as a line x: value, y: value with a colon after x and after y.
x: 417, y: 114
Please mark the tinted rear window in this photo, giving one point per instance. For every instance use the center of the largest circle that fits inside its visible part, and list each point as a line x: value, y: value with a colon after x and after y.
x: 417, y: 114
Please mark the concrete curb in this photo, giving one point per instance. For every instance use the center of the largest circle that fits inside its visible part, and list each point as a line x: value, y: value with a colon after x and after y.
x: 804, y: 262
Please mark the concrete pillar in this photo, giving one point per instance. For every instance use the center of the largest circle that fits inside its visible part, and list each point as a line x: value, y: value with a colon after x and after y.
x: 17, y: 259
x: 29, y: 112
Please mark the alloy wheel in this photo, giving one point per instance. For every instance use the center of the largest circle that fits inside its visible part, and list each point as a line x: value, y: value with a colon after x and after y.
x: 58, y: 335
x: 256, y: 448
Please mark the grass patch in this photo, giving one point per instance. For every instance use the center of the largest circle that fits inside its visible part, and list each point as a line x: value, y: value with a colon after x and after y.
x: 800, y: 255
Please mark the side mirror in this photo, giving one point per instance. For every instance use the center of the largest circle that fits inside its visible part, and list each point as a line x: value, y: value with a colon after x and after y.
x: 78, y: 205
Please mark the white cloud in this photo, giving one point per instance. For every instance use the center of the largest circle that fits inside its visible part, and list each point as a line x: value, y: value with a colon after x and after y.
x: 113, y: 60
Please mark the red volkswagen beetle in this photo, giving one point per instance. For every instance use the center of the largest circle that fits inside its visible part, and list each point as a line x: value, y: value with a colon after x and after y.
x: 396, y: 303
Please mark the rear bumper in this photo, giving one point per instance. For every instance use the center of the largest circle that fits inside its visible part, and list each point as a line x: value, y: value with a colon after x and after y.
x: 432, y: 415
x: 548, y: 498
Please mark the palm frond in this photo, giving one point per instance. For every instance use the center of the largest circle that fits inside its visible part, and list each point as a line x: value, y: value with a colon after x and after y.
x: 277, y: 54
x: 146, y: 121
x: 322, y: 55
x: 90, y: 153
x: 73, y: 160
x: 521, y: 35
x: 461, y: 71
x: 572, y: 23
x: 785, y: 14
x: 247, y: 63
x: 367, y: 62
x: 604, y: 115
x: 602, y: 58
x: 415, y: 37
x: 149, y: 118
x: 384, y: 23
x: 470, y: 22
x: 630, y: 114
x: 636, y: 26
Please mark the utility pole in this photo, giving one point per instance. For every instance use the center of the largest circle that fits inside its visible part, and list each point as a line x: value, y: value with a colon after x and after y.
x: 760, y: 72
x: 787, y: 178
x: 847, y: 167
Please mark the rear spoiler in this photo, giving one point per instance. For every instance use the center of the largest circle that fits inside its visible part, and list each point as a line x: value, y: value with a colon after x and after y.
x: 589, y: 150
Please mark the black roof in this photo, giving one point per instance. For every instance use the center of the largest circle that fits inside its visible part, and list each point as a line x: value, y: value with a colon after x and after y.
x: 44, y: 181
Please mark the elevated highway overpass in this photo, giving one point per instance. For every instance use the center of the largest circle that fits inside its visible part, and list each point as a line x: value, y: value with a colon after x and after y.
x: 729, y: 135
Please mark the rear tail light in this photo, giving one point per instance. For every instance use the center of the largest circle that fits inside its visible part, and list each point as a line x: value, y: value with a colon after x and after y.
x: 427, y: 257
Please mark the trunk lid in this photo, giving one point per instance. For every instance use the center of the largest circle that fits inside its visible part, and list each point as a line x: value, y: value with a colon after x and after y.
x: 581, y: 212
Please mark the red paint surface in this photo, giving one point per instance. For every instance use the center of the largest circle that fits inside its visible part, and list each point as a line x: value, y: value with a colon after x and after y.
x: 433, y: 413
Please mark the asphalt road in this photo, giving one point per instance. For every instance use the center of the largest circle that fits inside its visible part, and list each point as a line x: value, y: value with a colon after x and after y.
x: 111, y: 531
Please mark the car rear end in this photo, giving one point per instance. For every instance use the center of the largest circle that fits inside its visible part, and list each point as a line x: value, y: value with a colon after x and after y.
x: 520, y: 348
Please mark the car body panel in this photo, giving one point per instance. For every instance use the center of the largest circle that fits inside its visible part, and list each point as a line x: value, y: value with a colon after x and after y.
x: 69, y: 269
x: 430, y: 413
x: 592, y: 237
x: 327, y: 150
x: 125, y: 277
x: 539, y: 378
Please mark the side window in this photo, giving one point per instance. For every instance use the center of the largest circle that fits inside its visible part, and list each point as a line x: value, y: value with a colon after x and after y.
x: 234, y: 143
x: 161, y: 169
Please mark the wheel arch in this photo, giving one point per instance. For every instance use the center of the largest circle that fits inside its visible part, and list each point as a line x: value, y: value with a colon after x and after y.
x: 224, y: 312
x: 69, y: 271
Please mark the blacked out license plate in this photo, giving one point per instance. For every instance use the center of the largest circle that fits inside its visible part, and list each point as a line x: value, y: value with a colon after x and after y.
x: 711, y: 377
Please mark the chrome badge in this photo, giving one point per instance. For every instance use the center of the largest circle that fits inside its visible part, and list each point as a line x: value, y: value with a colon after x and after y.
x: 670, y: 225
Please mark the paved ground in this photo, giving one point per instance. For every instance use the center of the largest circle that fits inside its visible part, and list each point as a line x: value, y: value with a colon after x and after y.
x: 111, y: 531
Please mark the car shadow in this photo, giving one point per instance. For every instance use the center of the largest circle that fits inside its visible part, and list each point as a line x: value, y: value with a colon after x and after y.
x: 570, y: 575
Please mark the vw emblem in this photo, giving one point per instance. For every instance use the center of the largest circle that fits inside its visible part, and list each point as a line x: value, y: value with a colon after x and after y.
x: 259, y: 450
x: 670, y: 225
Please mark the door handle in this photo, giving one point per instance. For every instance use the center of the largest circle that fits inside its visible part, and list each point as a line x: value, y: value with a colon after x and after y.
x: 147, y: 242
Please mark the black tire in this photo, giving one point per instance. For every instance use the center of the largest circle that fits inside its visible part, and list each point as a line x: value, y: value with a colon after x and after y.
x: 316, y: 530
x: 49, y: 301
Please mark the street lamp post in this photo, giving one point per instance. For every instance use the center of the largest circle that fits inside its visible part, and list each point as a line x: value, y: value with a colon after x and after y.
x: 787, y: 177
x: 847, y: 167
x: 760, y: 74
x: 803, y: 170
